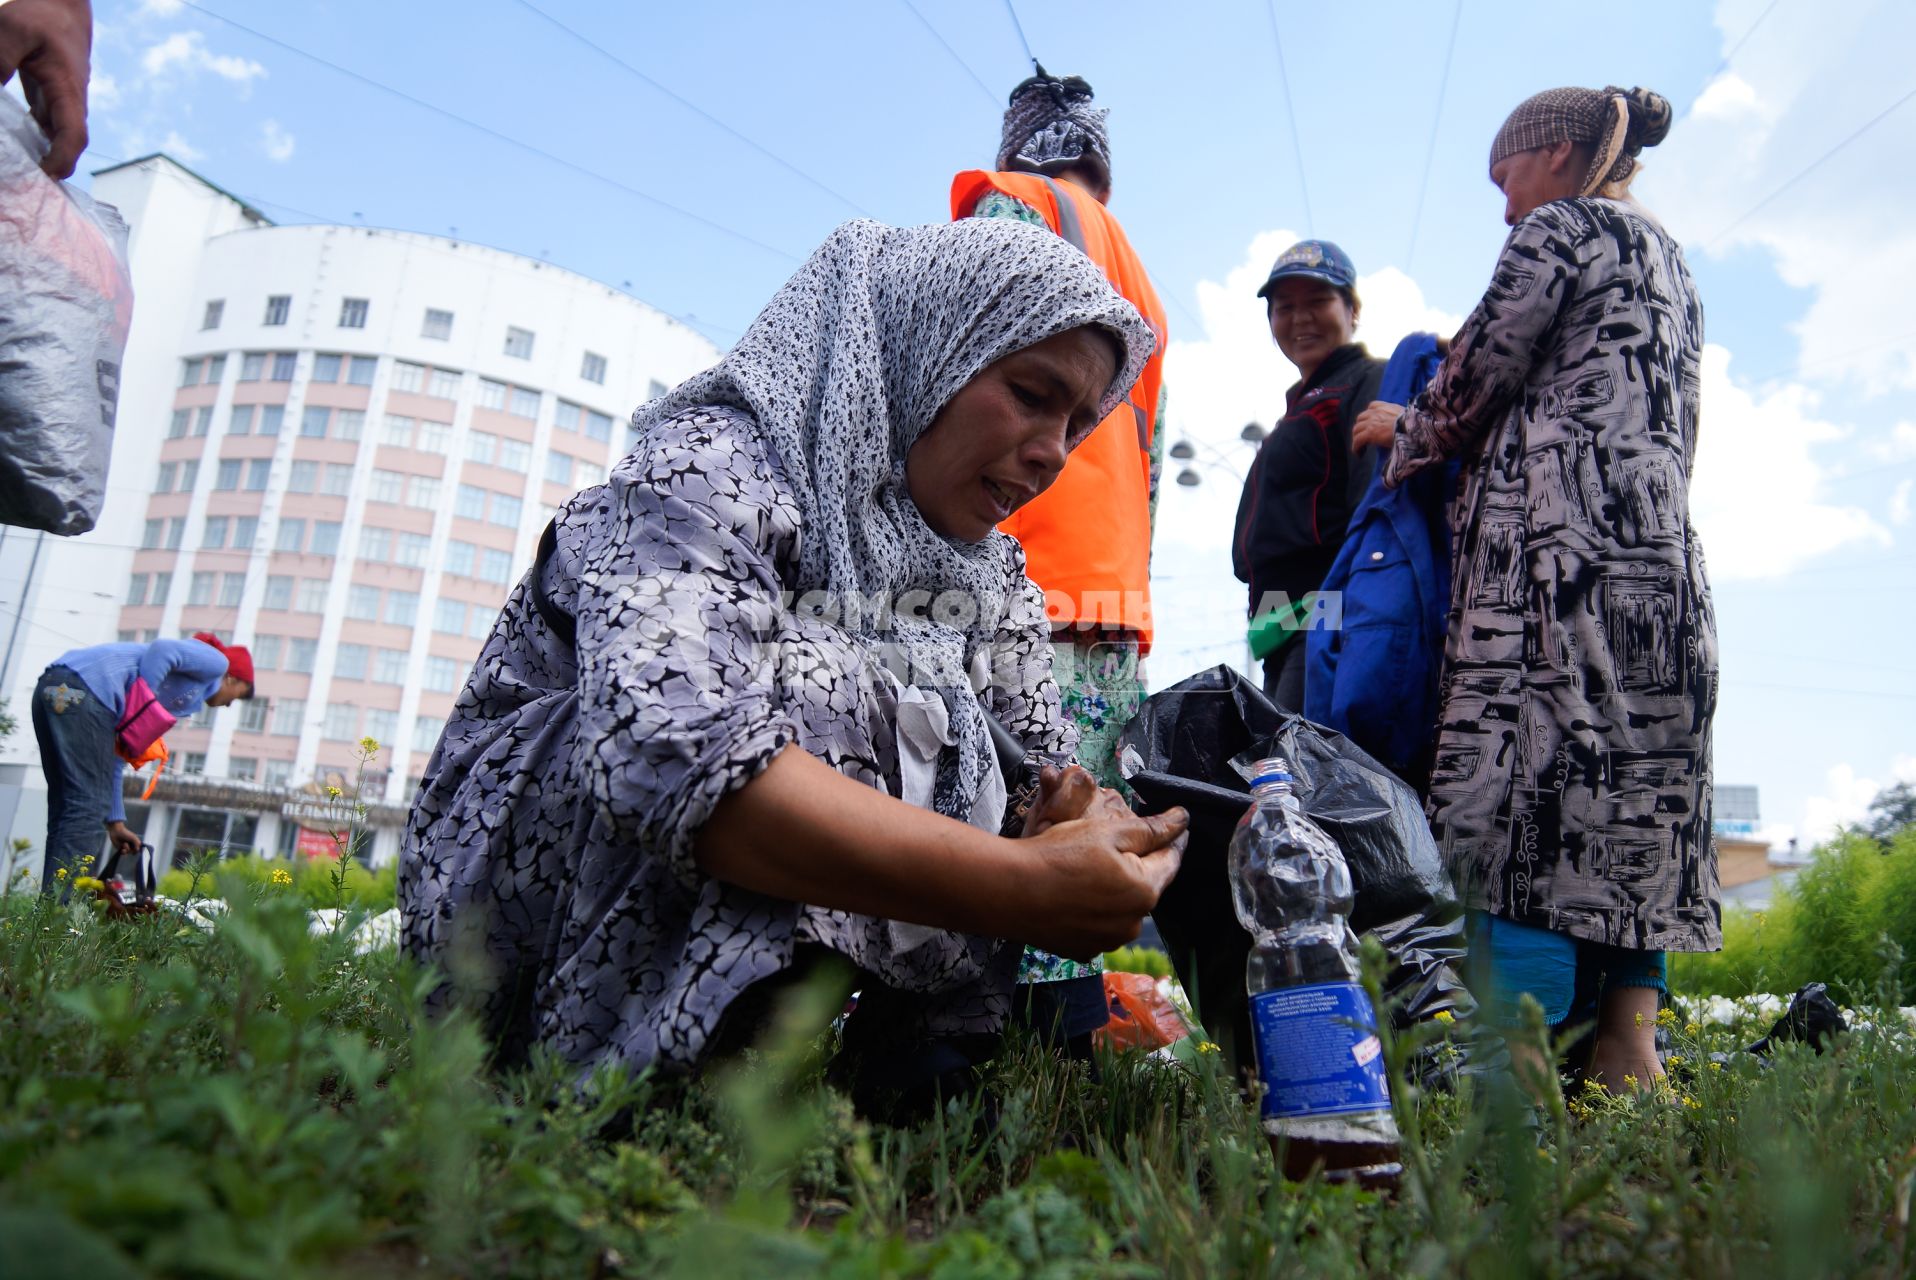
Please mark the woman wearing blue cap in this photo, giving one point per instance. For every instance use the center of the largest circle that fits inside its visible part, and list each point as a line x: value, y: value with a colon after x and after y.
x: 1298, y: 498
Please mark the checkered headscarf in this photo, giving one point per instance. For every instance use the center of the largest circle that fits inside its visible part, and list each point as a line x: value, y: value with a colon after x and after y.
x: 1618, y: 122
x: 1051, y: 125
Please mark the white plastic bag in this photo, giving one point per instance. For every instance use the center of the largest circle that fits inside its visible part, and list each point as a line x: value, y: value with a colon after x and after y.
x: 66, y: 302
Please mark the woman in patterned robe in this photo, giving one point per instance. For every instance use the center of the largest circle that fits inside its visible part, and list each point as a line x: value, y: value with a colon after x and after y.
x: 1571, y: 790
x: 768, y: 741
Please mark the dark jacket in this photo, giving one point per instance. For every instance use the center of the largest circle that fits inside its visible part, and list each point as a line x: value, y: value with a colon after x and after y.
x: 1374, y: 679
x: 1304, y: 483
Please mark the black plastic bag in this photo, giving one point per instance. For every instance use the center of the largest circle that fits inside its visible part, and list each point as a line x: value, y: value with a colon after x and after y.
x: 1194, y: 745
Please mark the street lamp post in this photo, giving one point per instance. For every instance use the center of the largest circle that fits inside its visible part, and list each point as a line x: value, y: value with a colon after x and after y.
x: 1186, y: 451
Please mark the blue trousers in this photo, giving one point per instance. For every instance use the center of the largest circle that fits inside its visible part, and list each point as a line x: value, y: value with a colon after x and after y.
x: 75, y: 731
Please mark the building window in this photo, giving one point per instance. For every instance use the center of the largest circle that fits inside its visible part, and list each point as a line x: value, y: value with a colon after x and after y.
x: 240, y: 421
x: 434, y: 437
x: 136, y: 590
x: 592, y: 368
x: 203, y: 420
x: 408, y: 377
x: 442, y: 675
x: 325, y: 538
x: 438, y: 324
x: 422, y: 492
x: 426, y: 731
x: 312, y: 595
x: 397, y: 431
x: 402, y: 608
x: 525, y: 404
x: 448, y: 616
x: 362, y: 603
x: 519, y: 342
x: 292, y: 533
x: 460, y: 557
x: 445, y: 384
x: 495, y: 566
x: 598, y: 425
x: 279, y: 592
x: 242, y: 768
x: 162, y: 588
x: 326, y: 367
x: 312, y: 421
x: 389, y: 666
x: 279, y: 773
x: 480, y: 446
x: 360, y: 372
x: 215, y: 312
x: 479, y: 624
x: 284, y: 363
x: 189, y: 475
x: 252, y: 366
x: 414, y: 549
x: 341, y: 723
x: 506, y: 510
x: 258, y: 472
x: 253, y: 714
x: 213, y: 534
x: 192, y: 762
x: 278, y: 307
x: 227, y: 478
x: 175, y: 533
x: 266, y: 651
x: 215, y: 370
x: 559, y: 468
x: 245, y: 532
x: 515, y: 456
x: 302, y: 477
x: 168, y: 470
x: 387, y: 486
x: 176, y: 427
x: 352, y: 313
x: 271, y: 418
x: 471, y: 504
x: 300, y: 654
x: 492, y: 395
x: 287, y: 715
x: 199, y: 590
x: 150, y: 536
x: 375, y: 544
x: 349, y: 661
x: 189, y: 373
x: 567, y: 417
x: 232, y: 587
x: 382, y: 725
x: 349, y: 424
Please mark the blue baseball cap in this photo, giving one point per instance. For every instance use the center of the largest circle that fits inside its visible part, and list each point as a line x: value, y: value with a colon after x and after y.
x: 1313, y: 260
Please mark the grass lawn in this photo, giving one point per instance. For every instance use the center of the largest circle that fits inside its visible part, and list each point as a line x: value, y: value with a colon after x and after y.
x: 259, y: 1099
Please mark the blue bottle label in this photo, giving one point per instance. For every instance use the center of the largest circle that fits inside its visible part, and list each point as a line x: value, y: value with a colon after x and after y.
x: 1313, y: 1061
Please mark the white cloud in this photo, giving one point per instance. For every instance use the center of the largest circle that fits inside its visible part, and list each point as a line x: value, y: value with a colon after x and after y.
x: 1899, y: 503
x: 103, y: 92
x: 277, y: 143
x: 1845, y: 800
x: 1810, y: 77
x: 1900, y: 446
x: 180, y: 149
x: 1757, y: 495
x: 159, y: 8
x: 186, y: 51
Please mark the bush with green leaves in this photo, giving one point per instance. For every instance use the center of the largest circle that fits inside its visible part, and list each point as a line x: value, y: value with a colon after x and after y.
x: 318, y: 882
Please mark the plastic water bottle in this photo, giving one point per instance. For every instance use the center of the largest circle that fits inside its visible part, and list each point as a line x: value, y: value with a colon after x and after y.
x: 1326, y: 1095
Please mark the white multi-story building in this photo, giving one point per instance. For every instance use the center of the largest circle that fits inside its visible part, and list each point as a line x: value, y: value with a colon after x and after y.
x: 338, y: 446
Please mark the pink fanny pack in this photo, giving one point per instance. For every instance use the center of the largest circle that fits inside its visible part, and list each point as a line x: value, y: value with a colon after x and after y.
x: 145, y: 720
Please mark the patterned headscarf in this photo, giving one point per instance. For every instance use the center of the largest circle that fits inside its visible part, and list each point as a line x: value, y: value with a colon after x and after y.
x: 1618, y: 122
x: 847, y: 367
x: 1051, y: 125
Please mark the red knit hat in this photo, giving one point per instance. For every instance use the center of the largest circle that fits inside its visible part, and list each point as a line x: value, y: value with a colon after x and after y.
x: 239, y: 660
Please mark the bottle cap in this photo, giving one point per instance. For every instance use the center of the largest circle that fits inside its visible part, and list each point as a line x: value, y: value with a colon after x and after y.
x: 1270, y: 769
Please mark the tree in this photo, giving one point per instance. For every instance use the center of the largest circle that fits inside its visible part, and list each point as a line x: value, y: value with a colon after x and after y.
x: 1893, y: 809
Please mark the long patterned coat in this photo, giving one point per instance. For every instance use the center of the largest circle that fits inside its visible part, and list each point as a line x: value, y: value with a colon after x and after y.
x: 1572, y: 782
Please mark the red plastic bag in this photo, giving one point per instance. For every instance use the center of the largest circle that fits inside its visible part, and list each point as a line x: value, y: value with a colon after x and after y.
x: 1141, y: 1016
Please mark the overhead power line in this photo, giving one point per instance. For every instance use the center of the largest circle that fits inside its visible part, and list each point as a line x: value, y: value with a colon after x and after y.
x: 1290, y: 110
x: 694, y: 108
x: 1436, y: 117
x: 508, y: 139
x: 990, y: 97
x: 1810, y: 168
x: 1747, y: 33
x: 1020, y: 28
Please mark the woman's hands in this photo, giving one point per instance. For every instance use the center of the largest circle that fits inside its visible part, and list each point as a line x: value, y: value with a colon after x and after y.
x: 1376, y: 425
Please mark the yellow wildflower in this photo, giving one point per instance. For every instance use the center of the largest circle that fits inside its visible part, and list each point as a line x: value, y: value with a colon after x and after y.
x: 1691, y: 1028
x: 1716, y: 1066
x: 1206, y: 1046
x: 282, y: 876
x: 1692, y: 1103
x: 332, y: 793
x: 1639, y: 1019
x: 1629, y: 1082
x: 1676, y: 1059
x: 1666, y: 1017
x: 87, y: 884
x: 61, y: 874
x: 86, y: 861
x: 369, y: 744
x: 1445, y: 1015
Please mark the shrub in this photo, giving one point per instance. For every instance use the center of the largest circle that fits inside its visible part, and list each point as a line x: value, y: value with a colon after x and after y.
x: 313, y: 881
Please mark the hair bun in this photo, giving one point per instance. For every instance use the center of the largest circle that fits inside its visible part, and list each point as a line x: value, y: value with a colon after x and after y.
x: 1650, y: 116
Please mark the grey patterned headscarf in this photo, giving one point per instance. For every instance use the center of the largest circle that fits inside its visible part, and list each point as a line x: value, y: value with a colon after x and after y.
x: 1051, y: 125
x: 1619, y: 123
x: 847, y: 367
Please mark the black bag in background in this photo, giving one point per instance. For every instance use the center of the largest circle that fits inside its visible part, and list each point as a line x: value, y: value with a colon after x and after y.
x: 1194, y: 745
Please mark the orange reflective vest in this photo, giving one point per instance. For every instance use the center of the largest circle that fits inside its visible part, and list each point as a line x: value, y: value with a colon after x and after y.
x: 1087, y: 538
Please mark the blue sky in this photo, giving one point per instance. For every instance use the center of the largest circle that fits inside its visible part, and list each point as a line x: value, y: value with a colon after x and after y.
x: 1804, y: 477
